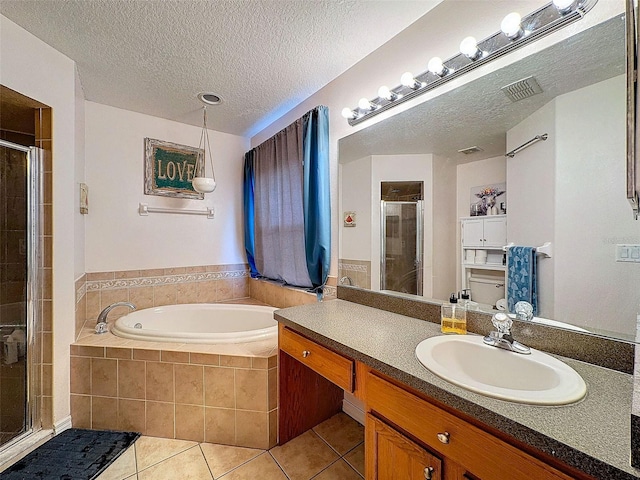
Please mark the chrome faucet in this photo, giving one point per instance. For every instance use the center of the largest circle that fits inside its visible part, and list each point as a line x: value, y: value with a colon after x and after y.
x: 346, y: 281
x: 101, y: 325
x: 502, y: 337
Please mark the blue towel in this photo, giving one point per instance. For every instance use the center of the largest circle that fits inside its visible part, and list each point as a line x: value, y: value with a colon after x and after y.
x: 521, y: 277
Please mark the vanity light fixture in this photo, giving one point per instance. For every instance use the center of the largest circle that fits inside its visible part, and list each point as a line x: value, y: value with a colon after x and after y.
x: 515, y: 31
x: 436, y: 67
x: 408, y: 80
x: 384, y: 92
x: 511, y: 26
x: 469, y: 48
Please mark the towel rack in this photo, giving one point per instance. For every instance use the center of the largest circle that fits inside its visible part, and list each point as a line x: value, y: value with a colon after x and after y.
x: 545, y: 249
x: 145, y: 210
x: 535, y: 139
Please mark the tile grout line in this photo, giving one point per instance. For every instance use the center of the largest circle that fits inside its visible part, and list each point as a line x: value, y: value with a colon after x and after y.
x: 278, y: 464
x: 205, y: 461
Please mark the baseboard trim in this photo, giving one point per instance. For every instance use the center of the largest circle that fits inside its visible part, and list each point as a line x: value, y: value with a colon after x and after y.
x: 62, y: 425
x: 353, y: 411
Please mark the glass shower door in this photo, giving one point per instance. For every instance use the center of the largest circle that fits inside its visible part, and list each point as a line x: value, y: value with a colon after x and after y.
x: 401, y: 247
x: 19, y: 223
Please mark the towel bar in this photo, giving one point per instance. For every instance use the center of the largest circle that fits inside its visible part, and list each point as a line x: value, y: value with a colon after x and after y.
x: 145, y: 209
x: 545, y: 249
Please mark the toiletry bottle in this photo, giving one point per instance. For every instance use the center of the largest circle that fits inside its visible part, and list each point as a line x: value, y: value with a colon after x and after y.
x: 453, y: 317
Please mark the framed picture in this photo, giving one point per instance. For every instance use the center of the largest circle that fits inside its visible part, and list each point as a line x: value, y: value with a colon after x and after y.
x: 169, y: 169
x: 488, y: 199
x: 349, y: 219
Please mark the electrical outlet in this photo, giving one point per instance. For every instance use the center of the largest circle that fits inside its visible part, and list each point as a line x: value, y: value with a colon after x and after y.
x: 628, y: 253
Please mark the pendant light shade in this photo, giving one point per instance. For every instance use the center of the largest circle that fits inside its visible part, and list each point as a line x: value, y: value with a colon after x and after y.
x: 201, y: 183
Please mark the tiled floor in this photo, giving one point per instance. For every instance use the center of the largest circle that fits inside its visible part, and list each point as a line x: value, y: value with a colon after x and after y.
x: 333, y: 450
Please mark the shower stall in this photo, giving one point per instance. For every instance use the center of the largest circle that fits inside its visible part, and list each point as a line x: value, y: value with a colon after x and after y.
x: 20, y: 291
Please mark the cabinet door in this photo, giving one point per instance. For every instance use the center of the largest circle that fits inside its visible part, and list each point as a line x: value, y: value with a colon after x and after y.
x: 389, y: 455
x: 473, y: 233
x: 495, y: 232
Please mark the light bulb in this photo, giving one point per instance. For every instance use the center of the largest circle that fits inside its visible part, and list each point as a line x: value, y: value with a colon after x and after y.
x: 511, y: 25
x: 563, y: 6
x: 436, y: 67
x: 348, y: 113
x: 365, y: 104
x: 384, y: 92
x: 469, y: 48
x: 407, y: 79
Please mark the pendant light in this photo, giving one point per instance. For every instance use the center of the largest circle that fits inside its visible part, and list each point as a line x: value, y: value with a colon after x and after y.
x: 201, y: 183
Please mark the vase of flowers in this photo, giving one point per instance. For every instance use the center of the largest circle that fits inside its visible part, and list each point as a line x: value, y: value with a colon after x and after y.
x: 487, y: 202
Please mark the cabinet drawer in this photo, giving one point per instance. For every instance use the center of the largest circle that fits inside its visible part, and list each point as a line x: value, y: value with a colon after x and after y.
x: 482, y: 454
x: 331, y: 365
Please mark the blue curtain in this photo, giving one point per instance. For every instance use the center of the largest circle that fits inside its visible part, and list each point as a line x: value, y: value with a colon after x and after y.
x: 249, y: 212
x: 316, y: 199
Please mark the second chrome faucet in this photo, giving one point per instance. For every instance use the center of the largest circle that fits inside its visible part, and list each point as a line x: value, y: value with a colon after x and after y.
x: 101, y: 324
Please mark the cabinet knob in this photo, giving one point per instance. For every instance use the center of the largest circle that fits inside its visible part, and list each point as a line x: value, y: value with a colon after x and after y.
x: 428, y: 473
x: 306, y: 353
x: 444, y: 437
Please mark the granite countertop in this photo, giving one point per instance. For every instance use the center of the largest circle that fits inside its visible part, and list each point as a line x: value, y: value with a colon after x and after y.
x: 593, y: 435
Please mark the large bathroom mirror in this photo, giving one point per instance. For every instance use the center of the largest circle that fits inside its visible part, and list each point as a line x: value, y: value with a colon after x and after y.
x: 567, y: 191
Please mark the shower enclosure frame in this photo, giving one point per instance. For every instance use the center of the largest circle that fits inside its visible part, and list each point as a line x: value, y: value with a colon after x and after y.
x: 33, y: 323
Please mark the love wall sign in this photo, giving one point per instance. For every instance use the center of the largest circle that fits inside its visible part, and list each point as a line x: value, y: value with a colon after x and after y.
x: 170, y: 168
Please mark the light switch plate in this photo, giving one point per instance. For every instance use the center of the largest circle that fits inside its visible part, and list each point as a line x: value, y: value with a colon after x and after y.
x: 628, y: 253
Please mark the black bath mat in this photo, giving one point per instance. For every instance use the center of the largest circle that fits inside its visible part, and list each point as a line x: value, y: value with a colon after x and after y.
x: 75, y: 454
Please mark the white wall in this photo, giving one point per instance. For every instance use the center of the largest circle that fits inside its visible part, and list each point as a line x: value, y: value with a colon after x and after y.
x: 531, y: 184
x: 36, y: 70
x: 355, y: 180
x: 590, y: 144
x: 79, y: 251
x: 117, y: 237
x: 444, y: 228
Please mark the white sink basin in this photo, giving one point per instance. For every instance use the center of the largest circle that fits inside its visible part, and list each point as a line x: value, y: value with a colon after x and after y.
x: 536, y: 379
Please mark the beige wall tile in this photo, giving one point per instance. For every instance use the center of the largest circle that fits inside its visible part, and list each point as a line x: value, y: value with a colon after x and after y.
x: 91, y: 277
x: 93, y: 305
x: 47, y: 347
x: 132, y: 415
x: 251, y: 390
x: 81, y: 411
x: 224, y: 290
x: 86, y: 351
x: 219, y: 387
x: 272, y: 388
x: 47, y: 412
x: 175, y: 271
x: 220, y: 426
x: 273, y: 361
x: 204, y: 358
x: 117, y: 352
x: 187, y: 292
x: 47, y: 379
x: 252, y: 429
x: 159, y: 382
x: 104, y: 377
x: 81, y: 375
x: 160, y: 419
x: 152, y: 272
x: 164, y: 295
x: 207, y: 291
x: 189, y: 384
x: 197, y: 269
x: 104, y: 413
x: 47, y: 315
x: 126, y: 274
x: 235, y: 361
x: 256, y: 290
x: 109, y: 297
x: 241, y: 287
x: 190, y: 422
x: 81, y: 312
x: 174, y: 357
x: 131, y: 379
x: 259, y: 363
x: 152, y: 355
x: 141, y: 297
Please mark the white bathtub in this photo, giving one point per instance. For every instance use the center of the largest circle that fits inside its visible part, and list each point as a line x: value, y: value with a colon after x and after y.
x: 209, y: 323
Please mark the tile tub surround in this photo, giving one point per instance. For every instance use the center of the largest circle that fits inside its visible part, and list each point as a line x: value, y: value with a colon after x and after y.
x: 282, y: 296
x: 592, y: 435
x: 172, y: 392
x: 359, y: 271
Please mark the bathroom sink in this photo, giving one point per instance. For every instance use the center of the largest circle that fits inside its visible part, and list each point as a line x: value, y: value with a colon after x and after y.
x: 536, y: 379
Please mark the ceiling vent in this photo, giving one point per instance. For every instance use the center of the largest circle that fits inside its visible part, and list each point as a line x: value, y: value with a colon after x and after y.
x: 470, y: 150
x: 525, y: 88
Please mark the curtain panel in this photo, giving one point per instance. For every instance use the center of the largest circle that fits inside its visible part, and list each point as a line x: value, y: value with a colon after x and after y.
x: 287, y: 212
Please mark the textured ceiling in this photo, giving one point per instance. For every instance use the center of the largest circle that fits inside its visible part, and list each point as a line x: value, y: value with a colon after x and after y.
x: 262, y: 56
x: 479, y: 113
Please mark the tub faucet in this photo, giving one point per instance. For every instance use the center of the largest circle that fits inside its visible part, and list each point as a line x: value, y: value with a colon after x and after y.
x: 502, y: 338
x: 524, y: 311
x: 101, y: 325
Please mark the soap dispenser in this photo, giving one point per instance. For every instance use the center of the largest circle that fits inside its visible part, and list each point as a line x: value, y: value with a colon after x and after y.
x: 453, y: 317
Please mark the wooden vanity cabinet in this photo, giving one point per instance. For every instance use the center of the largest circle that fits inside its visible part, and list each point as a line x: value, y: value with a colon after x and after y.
x: 464, y: 450
x: 407, y: 436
